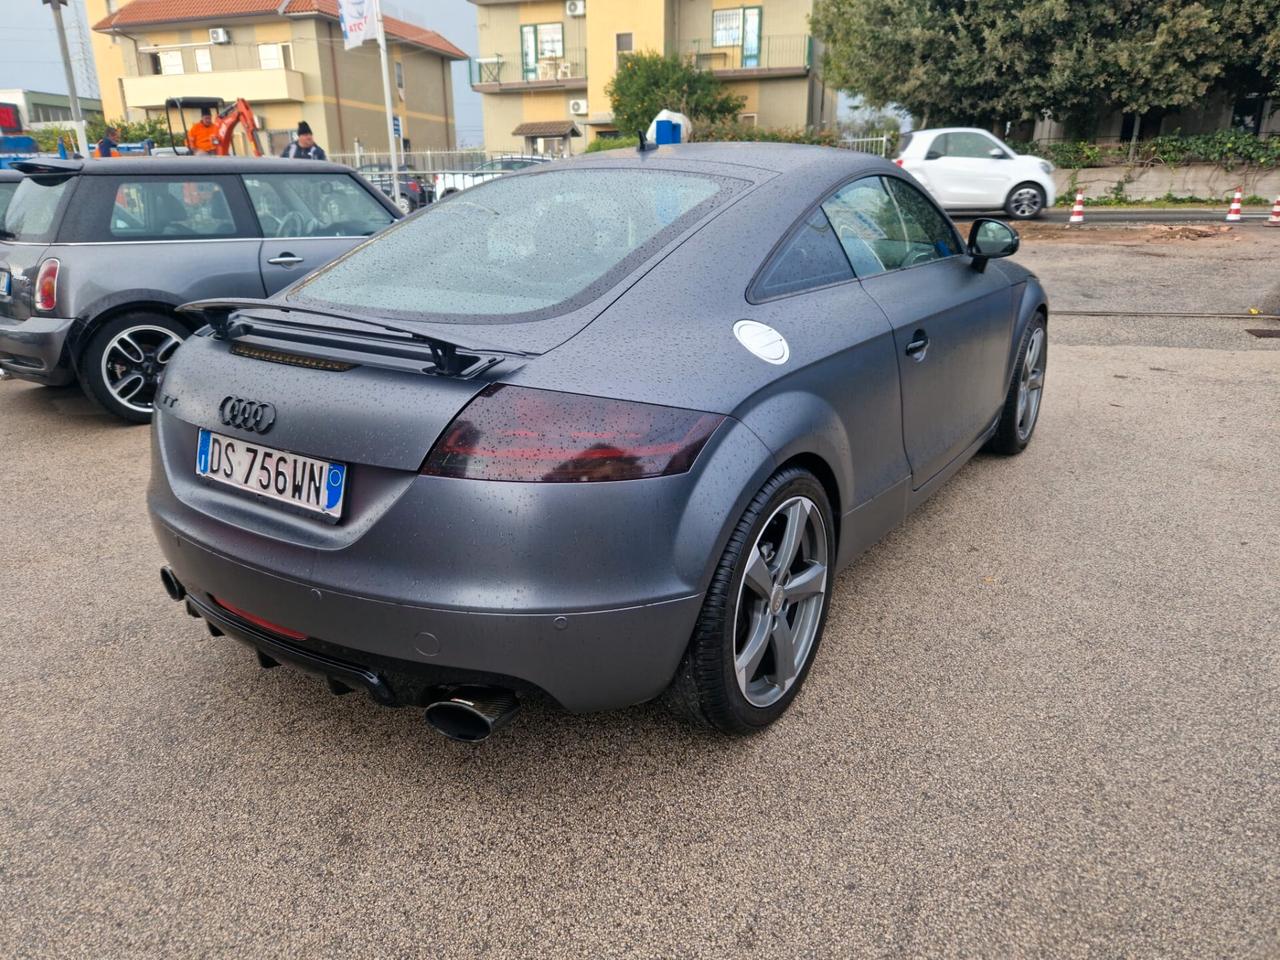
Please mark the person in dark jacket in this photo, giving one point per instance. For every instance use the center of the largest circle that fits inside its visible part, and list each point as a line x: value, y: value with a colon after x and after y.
x: 107, y: 145
x: 305, y: 147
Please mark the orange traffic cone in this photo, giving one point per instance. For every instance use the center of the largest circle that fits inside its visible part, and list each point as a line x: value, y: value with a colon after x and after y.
x: 1233, y: 214
x: 1274, y: 219
x: 1077, y: 212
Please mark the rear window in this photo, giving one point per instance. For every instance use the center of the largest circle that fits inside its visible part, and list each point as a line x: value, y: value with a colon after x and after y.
x: 32, y: 214
x: 7, y: 191
x: 517, y: 247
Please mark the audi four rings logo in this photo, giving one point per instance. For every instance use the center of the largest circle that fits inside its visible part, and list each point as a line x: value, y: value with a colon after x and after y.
x: 247, y: 414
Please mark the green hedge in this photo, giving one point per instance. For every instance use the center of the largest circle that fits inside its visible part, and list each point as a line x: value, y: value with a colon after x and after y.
x: 747, y: 133
x: 731, y: 132
x: 612, y: 143
x: 1226, y: 148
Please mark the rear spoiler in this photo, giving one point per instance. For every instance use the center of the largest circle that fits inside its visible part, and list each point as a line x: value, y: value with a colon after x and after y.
x: 271, y: 320
x: 47, y: 166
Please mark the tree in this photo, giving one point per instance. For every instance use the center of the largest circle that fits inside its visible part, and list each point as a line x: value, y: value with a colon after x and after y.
x: 646, y: 83
x: 981, y: 61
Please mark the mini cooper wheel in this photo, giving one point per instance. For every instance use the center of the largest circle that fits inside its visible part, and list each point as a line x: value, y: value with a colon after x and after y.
x: 122, y: 366
x: 1025, y: 202
x: 1021, y: 409
x: 762, y: 620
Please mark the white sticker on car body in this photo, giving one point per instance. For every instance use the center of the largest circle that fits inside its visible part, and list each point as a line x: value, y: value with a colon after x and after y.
x: 763, y: 341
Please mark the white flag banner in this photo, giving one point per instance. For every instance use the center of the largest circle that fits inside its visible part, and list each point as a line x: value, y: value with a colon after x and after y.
x: 356, y: 17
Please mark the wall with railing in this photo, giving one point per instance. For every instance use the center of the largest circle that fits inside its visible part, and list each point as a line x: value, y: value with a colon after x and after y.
x: 510, y: 67
x: 770, y: 53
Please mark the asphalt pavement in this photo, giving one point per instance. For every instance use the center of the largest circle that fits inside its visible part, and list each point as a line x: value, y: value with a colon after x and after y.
x: 1044, y: 722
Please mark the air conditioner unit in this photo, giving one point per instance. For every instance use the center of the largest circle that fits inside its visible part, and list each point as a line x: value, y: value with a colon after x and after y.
x: 219, y: 35
x: 578, y: 108
x: 575, y: 8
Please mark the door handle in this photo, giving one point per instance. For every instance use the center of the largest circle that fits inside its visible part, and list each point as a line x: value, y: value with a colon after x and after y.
x: 285, y: 260
x: 919, y: 343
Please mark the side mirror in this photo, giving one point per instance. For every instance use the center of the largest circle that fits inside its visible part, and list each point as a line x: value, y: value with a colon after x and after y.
x: 998, y: 154
x: 991, y: 240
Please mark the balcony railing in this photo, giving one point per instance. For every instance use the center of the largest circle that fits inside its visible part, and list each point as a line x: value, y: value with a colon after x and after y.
x: 510, y: 69
x: 771, y: 53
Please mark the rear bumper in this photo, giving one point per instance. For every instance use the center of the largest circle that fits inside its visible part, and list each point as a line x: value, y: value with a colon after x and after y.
x: 33, y: 349
x: 587, y: 591
x: 593, y: 660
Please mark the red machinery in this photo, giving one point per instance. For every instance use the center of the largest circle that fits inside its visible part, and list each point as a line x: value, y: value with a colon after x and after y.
x: 230, y: 117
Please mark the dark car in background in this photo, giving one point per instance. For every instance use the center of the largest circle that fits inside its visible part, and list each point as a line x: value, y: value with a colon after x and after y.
x: 415, y: 191
x: 616, y: 442
x: 95, y: 257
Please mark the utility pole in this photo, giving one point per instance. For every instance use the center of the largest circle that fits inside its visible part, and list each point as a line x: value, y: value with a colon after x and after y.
x: 386, y: 93
x: 76, y: 118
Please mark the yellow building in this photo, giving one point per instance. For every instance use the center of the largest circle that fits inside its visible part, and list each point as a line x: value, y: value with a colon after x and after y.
x: 285, y: 57
x: 543, y: 65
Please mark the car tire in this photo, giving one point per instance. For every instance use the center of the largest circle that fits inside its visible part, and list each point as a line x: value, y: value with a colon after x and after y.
x: 736, y: 616
x: 1026, y: 201
x: 1021, y: 411
x: 121, y: 366
x: 404, y: 204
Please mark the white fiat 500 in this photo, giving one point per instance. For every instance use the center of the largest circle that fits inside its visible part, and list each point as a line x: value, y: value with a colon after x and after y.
x: 969, y: 169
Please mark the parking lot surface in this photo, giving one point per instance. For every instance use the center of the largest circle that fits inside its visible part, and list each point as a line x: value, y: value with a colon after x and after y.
x: 1044, y: 722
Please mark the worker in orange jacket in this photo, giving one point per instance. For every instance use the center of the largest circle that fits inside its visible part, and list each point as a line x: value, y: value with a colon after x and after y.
x: 203, y: 135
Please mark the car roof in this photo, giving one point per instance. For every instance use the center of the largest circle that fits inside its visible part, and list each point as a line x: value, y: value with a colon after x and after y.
x: 790, y: 164
x: 170, y: 165
x: 9, y: 176
x: 933, y: 130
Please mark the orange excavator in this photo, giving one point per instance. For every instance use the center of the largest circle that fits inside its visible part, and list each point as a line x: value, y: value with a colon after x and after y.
x: 229, y: 118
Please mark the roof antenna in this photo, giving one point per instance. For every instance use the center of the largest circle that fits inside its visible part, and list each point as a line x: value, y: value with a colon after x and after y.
x: 642, y: 146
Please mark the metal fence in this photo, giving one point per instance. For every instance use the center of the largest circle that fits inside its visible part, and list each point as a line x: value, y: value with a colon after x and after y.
x: 423, y: 161
x: 877, y: 145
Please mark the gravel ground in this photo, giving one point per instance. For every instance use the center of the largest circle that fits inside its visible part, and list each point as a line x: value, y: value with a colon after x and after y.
x: 1045, y: 721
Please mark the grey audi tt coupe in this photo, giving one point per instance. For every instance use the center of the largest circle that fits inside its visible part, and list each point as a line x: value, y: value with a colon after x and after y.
x: 605, y: 429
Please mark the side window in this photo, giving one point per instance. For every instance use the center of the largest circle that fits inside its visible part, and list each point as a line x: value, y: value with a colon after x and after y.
x: 972, y: 145
x: 170, y: 209
x: 314, y: 205
x: 929, y: 234
x: 810, y: 258
x: 867, y: 224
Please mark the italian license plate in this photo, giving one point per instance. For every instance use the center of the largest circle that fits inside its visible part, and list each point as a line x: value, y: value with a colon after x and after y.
x: 314, y: 485
x: 4, y: 283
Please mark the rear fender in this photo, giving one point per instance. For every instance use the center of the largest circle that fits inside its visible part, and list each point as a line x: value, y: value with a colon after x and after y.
x: 797, y: 423
x: 112, y: 305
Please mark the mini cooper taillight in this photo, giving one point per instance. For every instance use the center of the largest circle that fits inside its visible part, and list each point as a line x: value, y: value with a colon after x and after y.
x: 526, y: 435
x: 47, y: 285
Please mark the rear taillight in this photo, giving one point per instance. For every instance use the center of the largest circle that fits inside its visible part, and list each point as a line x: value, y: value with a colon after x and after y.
x: 525, y: 435
x: 898, y: 161
x: 47, y: 285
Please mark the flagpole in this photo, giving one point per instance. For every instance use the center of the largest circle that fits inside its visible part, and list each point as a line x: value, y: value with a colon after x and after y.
x: 386, y: 93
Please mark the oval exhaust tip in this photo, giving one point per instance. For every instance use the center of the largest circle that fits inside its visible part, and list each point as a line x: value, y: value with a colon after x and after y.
x: 172, y: 586
x: 472, y: 714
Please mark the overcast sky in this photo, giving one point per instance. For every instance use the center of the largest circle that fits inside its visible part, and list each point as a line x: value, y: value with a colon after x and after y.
x: 29, y: 50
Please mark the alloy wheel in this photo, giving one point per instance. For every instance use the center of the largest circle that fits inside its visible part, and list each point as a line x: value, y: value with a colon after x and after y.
x: 133, y: 363
x: 1031, y: 384
x: 780, y: 601
x: 1025, y: 203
